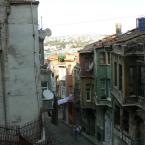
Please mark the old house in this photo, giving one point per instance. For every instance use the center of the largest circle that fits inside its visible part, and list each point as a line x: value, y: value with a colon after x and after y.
x: 102, y: 70
x: 87, y: 97
x: 20, y: 66
x: 95, y: 98
x: 76, y: 92
x: 62, y: 66
x: 128, y: 88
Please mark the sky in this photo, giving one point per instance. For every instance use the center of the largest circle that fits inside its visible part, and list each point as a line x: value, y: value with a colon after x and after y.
x: 78, y: 17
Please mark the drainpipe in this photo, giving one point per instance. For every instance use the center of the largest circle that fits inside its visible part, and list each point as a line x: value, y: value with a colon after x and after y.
x: 34, y: 51
x: 3, y: 79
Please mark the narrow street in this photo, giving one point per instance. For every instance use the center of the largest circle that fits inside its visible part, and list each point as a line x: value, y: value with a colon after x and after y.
x: 62, y: 134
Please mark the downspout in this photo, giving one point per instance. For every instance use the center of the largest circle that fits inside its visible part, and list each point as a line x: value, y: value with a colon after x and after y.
x: 34, y: 52
x: 3, y: 78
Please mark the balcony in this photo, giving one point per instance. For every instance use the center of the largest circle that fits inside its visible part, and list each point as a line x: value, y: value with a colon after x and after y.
x: 104, y: 71
x: 104, y: 102
x: 134, y: 101
x: 88, y: 103
x: 118, y: 133
x: 45, y: 73
x: 117, y: 94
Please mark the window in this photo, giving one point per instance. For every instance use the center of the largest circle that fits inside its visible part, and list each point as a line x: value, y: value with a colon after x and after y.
x: 62, y: 91
x: 132, y: 82
x: 115, y: 73
x: 117, y: 116
x: 120, y: 77
x: 140, y: 80
x: 125, y: 120
x: 69, y: 69
x: 103, y: 89
x: 88, y: 92
x: 108, y: 85
x: 44, y: 85
x: 89, y: 65
x: 109, y: 57
x: 102, y: 58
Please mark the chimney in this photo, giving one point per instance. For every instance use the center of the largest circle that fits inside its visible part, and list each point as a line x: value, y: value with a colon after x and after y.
x: 118, y: 28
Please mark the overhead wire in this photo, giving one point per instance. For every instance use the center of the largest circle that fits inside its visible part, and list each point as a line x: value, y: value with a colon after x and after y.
x: 93, y: 21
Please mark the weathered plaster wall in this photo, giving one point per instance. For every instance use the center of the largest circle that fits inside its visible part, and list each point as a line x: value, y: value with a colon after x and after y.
x: 23, y: 85
x: 3, y: 51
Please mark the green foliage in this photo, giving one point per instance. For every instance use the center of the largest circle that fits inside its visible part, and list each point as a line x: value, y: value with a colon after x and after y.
x: 61, y: 58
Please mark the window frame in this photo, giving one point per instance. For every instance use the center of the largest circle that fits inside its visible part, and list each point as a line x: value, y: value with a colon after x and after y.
x: 88, y: 87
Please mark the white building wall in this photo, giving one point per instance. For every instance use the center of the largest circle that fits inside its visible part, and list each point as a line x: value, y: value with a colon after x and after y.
x: 23, y: 84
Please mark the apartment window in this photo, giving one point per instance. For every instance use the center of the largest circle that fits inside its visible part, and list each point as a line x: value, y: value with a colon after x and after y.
x: 109, y: 57
x: 120, y: 77
x: 140, y: 80
x: 103, y: 89
x: 115, y: 73
x: 69, y: 69
x: 125, y: 120
x: 44, y: 85
x: 117, y: 116
x: 88, y: 92
x: 108, y: 87
x: 62, y: 91
x: 132, y: 80
x: 88, y: 65
x: 102, y: 58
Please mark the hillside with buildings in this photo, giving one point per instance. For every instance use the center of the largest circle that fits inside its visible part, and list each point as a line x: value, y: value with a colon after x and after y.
x: 67, y: 44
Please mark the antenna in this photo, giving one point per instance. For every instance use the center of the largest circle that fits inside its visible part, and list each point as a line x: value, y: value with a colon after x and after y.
x: 41, y: 23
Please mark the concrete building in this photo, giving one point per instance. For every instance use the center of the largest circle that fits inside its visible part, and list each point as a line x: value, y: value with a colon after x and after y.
x: 4, y: 12
x: 20, y: 64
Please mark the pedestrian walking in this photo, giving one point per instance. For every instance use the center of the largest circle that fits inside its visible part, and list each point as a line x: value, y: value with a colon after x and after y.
x: 75, y: 132
x: 80, y: 129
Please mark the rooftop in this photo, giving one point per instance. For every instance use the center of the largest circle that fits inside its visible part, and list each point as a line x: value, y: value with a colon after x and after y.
x: 24, y: 2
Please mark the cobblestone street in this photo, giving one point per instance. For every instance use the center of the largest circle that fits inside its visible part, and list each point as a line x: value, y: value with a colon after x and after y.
x: 61, y: 134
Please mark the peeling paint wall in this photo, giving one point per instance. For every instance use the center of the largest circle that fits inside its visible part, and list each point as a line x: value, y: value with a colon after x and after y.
x: 23, y: 84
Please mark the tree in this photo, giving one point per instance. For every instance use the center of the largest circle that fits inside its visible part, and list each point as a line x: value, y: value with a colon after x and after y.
x: 61, y: 58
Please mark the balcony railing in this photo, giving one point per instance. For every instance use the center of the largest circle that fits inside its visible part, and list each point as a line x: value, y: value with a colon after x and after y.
x: 27, y: 134
x: 117, y: 94
x: 135, y: 100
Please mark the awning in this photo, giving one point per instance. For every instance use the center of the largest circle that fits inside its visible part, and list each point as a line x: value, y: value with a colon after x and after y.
x: 65, y: 100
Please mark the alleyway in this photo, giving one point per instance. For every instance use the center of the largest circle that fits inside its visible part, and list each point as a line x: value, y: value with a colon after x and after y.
x: 62, y: 134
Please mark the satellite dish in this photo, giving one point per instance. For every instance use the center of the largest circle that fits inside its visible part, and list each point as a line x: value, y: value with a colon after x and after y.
x: 44, y: 33
x: 48, y: 32
x: 48, y: 95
